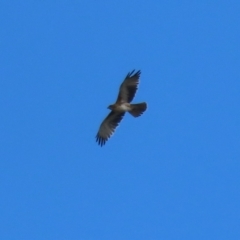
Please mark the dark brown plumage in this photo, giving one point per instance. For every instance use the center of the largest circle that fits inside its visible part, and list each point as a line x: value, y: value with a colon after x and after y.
x: 126, y: 94
x: 129, y: 87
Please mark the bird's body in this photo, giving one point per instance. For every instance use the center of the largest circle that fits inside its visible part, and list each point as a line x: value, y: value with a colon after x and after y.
x: 122, y: 107
x: 126, y: 94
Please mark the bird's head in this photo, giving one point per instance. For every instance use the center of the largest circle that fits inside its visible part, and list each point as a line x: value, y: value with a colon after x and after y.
x: 110, y: 107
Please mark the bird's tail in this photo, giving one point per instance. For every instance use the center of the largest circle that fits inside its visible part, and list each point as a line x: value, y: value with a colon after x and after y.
x: 138, y: 109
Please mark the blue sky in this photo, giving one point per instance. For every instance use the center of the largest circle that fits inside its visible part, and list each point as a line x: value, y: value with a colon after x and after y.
x: 173, y: 173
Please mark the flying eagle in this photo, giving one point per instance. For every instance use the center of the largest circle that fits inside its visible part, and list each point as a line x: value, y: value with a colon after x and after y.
x: 126, y: 94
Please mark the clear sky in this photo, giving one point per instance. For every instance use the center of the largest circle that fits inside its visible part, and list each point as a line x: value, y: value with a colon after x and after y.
x: 173, y: 173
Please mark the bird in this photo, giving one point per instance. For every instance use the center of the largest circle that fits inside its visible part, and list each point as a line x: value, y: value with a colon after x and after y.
x: 122, y: 105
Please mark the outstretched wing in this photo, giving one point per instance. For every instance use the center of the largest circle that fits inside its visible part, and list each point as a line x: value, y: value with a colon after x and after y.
x: 108, y: 127
x: 129, y: 87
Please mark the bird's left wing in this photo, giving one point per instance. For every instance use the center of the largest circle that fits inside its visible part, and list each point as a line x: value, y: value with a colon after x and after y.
x: 129, y: 87
x: 108, y: 126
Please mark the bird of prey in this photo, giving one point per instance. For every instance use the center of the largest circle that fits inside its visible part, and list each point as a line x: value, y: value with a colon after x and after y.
x: 126, y: 94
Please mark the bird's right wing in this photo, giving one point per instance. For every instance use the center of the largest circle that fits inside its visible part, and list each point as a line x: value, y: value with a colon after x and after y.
x: 108, y: 126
